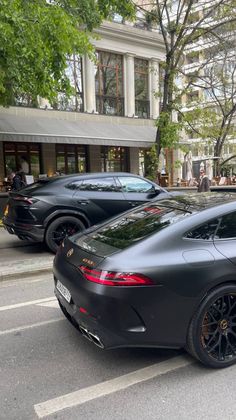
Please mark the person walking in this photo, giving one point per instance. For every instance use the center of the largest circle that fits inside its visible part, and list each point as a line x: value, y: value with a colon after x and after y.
x: 204, y: 182
x: 24, y: 165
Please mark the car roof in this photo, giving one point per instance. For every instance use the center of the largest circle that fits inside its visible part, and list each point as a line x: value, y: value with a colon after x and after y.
x: 193, y: 202
x: 90, y: 175
x: 99, y: 175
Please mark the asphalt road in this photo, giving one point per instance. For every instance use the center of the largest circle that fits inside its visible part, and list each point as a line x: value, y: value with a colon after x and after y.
x: 48, y: 370
x: 13, y: 248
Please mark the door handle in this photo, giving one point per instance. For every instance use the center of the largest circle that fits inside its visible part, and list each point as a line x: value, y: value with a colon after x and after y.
x: 82, y: 202
x: 133, y: 203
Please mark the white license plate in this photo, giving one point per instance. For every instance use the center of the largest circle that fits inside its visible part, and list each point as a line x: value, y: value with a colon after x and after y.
x: 64, y: 291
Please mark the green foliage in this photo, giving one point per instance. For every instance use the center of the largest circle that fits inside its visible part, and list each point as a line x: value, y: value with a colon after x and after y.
x: 36, y: 38
x: 204, y: 121
x: 151, y: 163
x: 181, y: 24
x: 169, y: 130
x: 177, y: 164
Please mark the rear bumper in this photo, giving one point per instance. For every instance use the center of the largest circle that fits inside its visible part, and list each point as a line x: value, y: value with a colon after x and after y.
x: 121, y: 318
x: 25, y: 231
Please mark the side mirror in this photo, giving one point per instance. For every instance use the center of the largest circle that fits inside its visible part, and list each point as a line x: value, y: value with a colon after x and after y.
x: 157, y: 190
x: 154, y: 192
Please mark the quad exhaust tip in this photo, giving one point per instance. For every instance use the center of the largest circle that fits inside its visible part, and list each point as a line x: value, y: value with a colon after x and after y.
x: 91, y: 337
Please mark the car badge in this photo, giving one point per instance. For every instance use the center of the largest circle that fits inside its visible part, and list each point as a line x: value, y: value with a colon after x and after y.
x: 70, y: 252
x: 86, y: 261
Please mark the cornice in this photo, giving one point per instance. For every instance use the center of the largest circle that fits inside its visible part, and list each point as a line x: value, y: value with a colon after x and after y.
x: 124, y: 32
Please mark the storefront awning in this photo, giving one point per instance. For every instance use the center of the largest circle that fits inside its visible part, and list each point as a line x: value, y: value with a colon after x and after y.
x: 55, y: 127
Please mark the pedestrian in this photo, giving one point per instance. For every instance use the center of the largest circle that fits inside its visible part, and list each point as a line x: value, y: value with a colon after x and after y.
x: 18, y: 180
x: 204, y: 182
x: 24, y: 165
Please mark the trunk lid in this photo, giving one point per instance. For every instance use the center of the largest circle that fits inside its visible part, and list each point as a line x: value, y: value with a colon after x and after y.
x: 77, y: 256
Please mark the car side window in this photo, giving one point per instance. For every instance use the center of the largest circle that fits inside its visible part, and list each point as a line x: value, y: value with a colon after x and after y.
x: 75, y: 185
x: 205, y: 231
x: 133, y: 184
x: 99, y: 184
x: 227, y: 227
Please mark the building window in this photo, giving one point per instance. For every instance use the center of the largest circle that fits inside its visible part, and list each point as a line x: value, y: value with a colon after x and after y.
x: 142, y: 104
x: 109, y: 84
x: 192, y: 97
x: 114, y: 159
x: 74, y: 73
x: 118, y: 18
x: 16, y: 153
x: 144, y: 162
x: 71, y: 158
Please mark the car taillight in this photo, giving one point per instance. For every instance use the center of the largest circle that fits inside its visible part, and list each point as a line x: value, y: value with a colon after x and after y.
x: 26, y: 200
x: 113, y: 278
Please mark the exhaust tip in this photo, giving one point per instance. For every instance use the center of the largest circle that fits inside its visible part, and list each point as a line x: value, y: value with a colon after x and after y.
x: 85, y: 332
x: 91, y: 337
x: 96, y: 340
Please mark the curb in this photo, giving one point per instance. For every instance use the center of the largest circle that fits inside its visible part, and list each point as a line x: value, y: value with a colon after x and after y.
x: 25, y: 268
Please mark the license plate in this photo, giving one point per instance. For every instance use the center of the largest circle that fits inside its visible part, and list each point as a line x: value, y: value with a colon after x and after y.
x: 64, y: 291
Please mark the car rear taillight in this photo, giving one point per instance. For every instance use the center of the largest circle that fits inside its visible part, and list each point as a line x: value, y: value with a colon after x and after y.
x: 113, y: 278
x: 26, y: 200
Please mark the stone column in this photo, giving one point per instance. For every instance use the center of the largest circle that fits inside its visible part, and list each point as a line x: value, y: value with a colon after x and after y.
x: 134, y: 160
x: 177, y: 171
x: 89, y: 85
x: 129, y: 84
x: 154, y: 88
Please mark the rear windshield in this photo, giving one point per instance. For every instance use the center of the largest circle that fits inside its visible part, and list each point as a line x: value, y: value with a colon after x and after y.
x: 35, y: 186
x: 129, y: 229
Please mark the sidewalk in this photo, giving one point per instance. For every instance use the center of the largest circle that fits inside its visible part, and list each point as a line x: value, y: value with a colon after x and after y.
x: 21, y: 258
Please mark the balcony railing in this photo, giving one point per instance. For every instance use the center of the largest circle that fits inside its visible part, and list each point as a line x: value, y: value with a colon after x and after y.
x: 109, y: 105
x: 142, y: 108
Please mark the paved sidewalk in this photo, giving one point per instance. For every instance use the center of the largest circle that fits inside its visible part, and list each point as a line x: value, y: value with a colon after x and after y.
x: 20, y: 258
x: 25, y: 268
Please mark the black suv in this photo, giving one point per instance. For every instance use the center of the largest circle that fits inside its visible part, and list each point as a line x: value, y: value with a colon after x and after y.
x: 53, y: 208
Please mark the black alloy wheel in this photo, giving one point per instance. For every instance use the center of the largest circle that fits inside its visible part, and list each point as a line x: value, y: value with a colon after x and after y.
x: 59, y: 229
x: 212, y: 332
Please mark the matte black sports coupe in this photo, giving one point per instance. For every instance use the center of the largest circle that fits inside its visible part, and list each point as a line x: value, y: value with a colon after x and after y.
x: 53, y: 208
x: 161, y: 275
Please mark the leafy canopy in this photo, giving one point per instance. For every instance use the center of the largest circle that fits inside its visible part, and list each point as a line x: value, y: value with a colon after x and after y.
x: 37, y: 36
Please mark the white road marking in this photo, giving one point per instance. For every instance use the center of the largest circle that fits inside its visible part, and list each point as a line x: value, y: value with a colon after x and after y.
x: 14, y: 283
x: 27, y: 327
x: 108, y: 387
x: 28, y: 303
x: 50, y: 304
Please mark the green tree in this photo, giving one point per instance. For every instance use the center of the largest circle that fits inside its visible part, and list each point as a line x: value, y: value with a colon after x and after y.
x: 37, y: 37
x: 183, y: 23
x: 212, y: 119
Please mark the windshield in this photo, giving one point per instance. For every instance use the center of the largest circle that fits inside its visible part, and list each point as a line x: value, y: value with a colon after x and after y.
x: 32, y: 188
x: 129, y: 229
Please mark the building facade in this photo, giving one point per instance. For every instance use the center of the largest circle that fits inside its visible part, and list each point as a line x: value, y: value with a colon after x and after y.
x: 210, y: 68
x: 106, y: 126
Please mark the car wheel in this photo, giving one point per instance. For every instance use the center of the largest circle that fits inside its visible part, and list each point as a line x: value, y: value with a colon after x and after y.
x: 212, y: 332
x: 59, y: 229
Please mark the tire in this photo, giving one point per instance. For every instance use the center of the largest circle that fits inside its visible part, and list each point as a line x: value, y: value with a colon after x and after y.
x: 212, y: 331
x: 59, y: 229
